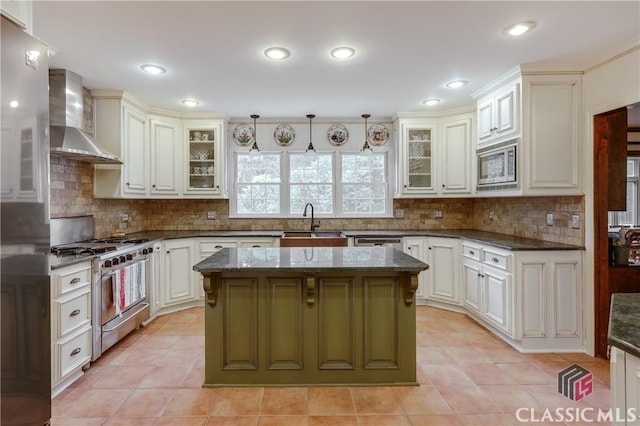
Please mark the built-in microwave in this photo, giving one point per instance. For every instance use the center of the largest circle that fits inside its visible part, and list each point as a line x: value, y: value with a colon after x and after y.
x: 497, y: 166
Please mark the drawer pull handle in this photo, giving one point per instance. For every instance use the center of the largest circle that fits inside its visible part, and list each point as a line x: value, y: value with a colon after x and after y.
x: 74, y: 312
x: 471, y: 252
x: 495, y: 259
x: 218, y: 246
x: 76, y: 280
x: 256, y: 246
x: 76, y: 351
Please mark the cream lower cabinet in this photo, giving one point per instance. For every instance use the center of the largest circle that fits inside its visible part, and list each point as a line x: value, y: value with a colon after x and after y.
x: 439, y: 283
x: 488, y: 285
x: 178, y: 275
x: 70, y: 324
x: 625, y: 387
x: 207, y: 247
x: 549, y: 300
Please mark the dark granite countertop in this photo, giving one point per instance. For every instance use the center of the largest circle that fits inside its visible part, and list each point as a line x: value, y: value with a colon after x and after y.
x: 507, y: 242
x: 310, y: 259
x: 624, y: 322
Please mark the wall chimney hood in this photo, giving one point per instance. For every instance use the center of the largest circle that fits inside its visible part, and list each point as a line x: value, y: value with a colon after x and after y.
x: 66, y: 116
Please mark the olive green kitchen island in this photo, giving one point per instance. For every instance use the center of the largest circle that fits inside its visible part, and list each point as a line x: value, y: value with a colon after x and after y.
x: 310, y: 316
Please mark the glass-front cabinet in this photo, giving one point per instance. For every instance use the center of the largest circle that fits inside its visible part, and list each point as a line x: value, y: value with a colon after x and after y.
x: 205, y: 155
x: 417, y: 154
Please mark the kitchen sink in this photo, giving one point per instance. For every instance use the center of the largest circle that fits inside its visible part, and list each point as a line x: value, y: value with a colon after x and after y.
x: 313, y: 239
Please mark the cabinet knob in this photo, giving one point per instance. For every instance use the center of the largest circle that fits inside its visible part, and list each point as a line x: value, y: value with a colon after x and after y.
x: 127, y: 183
x: 443, y: 185
x: 153, y: 186
x: 429, y: 248
x: 471, y: 252
x: 74, y: 312
x: 495, y: 259
x: 168, y: 252
x: 405, y: 186
x: 493, y: 129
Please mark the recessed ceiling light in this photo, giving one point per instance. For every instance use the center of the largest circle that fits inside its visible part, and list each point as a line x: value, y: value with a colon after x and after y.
x: 153, y: 69
x: 13, y: 104
x: 431, y: 102
x: 343, y: 52
x: 456, y: 84
x: 277, y: 53
x: 520, y: 28
x: 190, y: 102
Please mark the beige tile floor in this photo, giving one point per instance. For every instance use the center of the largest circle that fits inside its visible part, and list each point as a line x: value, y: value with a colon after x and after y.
x: 467, y: 377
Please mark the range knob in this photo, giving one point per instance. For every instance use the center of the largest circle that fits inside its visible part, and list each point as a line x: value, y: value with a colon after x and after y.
x: 129, y: 256
x: 107, y: 263
x: 115, y: 261
x: 150, y: 249
x: 123, y: 259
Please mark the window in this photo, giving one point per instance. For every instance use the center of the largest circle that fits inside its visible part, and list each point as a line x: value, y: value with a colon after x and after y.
x: 364, y: 187
x: 338, y: 184
x: 258, y: 184
x: 631, y: 217
x: 311, y: 181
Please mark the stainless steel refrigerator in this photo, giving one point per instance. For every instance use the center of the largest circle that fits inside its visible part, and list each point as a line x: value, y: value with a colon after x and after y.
x: 25, y: 344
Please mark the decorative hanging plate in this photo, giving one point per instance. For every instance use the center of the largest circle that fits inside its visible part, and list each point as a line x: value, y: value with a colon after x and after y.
x: 284, y: 135
x: 378, y: 134
x: 338, y: 134
x: 243, y: 134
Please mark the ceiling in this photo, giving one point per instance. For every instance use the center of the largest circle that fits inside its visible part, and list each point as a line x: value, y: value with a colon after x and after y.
x: 405, y: 51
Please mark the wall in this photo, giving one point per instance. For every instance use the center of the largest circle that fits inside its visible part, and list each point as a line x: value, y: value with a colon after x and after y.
x: 72, y: 188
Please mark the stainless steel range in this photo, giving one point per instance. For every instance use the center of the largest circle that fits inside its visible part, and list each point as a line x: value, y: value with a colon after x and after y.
x: 121, y: 271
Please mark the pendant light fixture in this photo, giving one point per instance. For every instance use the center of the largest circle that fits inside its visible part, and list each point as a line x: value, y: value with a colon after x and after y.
x: 255, y: 135
x: 365, y: 146
x: 310, y: 147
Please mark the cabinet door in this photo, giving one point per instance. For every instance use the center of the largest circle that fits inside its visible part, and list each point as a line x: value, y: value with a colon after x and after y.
x: 418, y: 164
x: 506, y: 112
x: 497, y: 297
x: 456, y: 153
x: 166, y: 156
x: 415, y: 247
x: 632, y: 370
x: 442, y: 275
x: 472, y: 279
x: 178, y: 272
x: 134, y: 140
x: 485, y: 120
x: 204, y: 171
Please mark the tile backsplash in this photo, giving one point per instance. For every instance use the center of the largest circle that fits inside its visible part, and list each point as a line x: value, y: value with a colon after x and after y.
x: 72, y: 195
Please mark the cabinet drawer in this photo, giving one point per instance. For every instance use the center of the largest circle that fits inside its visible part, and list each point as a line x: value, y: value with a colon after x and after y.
x: 472, y: 252
x: 214, y: 246
x: 72, y: 279
x: 74, y: 352
x: 72, y: 313
x: 495, y: 259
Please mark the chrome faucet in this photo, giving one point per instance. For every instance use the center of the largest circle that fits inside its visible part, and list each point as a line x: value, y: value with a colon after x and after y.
x: 314, y: 225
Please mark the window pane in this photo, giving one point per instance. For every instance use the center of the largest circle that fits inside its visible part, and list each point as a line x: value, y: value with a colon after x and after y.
x: 311, y: 181
x: 258, y: 186
x: 363, y: 183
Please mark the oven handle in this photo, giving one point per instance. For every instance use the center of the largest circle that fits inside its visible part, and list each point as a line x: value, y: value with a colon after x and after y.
x: 114, y: 269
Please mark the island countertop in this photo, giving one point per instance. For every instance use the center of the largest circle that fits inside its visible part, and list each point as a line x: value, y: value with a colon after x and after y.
x: 310, y: 259
x: 624, y: 322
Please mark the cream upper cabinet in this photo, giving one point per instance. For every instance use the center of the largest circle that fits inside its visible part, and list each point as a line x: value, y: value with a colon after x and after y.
x: 498, y: 115
x: 204, y: 150
x: 163, y: 156
x: 551, y: 135
x: 540, y: 111
x: 457, y: 165
x: 135, y: 149
x: 166, y: 156
x: 417, y: 158
x: 20, y: 12
x: 434, y: 156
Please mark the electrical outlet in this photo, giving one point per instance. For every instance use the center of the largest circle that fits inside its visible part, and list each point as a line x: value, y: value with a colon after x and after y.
x: 549, y: 219
x: 438, y: 214
x: 492, y: 215
x: 211, y: 215
x: 124, y: 217
x: 575, y: 221
x: 399, y: 214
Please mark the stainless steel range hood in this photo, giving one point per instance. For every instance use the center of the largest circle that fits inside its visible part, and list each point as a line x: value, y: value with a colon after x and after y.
x: 66, y: 115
